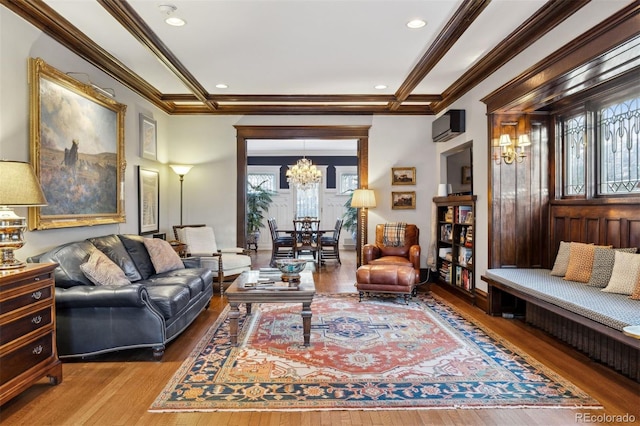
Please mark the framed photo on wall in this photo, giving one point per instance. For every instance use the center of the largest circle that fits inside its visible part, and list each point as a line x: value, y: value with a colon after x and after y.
x: 77, y: 151
x: 466, y: 175
x: 403, y: 200
x: 148, y: 201
x: 148, y: 138
x: 403, y: 176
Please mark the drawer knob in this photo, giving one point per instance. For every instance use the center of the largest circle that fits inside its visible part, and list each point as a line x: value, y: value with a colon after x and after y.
x: 37, y: 350
x: 36, y: 320
x: 36, y: 295
x: 37, y: 279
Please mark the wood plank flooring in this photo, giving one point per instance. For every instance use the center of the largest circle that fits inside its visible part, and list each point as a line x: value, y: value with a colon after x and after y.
x: 117, y: 389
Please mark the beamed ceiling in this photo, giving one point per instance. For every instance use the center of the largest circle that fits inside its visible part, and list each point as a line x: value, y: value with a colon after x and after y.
x: 304, y: 56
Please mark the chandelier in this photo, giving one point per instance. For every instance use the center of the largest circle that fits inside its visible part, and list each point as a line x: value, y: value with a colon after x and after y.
x: 304, y: 174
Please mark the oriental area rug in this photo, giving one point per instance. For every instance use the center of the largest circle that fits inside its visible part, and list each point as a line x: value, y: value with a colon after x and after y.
x: 375, y: 355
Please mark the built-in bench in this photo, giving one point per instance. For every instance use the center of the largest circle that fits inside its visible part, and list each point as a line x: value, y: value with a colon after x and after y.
x: 583, y: 316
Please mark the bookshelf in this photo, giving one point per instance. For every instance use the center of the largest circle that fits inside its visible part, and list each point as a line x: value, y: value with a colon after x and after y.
x: 455, y: 244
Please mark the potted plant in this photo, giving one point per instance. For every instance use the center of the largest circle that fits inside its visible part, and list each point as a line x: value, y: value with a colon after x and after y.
x: 258, y: 202
x: 350, y: 217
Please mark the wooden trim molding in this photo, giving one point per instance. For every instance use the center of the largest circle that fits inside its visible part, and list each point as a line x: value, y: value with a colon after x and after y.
x: 559, y: 73
x: 361, y: 133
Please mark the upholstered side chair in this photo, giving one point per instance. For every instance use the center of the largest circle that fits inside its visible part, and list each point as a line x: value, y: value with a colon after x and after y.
x: 225, y: 263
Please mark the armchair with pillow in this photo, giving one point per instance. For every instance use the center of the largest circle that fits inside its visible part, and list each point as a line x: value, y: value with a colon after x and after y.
x: 395, y: 244
x: 225, y: 263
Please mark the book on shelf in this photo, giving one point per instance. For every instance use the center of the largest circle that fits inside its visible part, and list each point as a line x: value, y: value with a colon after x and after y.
x: 446, y: 232
x: 465, y: 256
x: 463, y: 213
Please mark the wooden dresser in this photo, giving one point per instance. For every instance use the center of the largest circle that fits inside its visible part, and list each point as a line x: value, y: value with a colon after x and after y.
x: 27, y: 329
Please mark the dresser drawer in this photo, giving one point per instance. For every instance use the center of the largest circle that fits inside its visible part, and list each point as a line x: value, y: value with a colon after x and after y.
x: 25, y: 324
x: 26, y: 299
x: 44, y: 278
x: 23, y: 358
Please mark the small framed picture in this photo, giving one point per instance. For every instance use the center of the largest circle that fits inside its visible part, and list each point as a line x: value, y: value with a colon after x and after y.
x: 466, y: 175
x: 403, y: 176
x: 148, y: 201
x: 403, y: 200
x: 148, y: 138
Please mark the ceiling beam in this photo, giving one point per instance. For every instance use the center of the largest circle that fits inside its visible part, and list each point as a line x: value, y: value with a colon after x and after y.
x: 462, y: 18
x: 178, y: 97
x: 549, y: 16
x: 47, y: 20
x: 132, y: 22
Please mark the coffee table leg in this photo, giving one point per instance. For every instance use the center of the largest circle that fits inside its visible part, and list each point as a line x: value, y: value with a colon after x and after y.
x: 248, y: 305
x: 234, y: 314
x: 306, y: 322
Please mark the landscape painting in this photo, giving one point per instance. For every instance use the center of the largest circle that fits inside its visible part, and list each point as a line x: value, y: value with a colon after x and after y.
x: 77, y: 150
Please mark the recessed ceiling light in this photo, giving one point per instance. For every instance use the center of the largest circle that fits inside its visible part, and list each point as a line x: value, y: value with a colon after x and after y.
x: 380, y: 86
x: 222, y: 86
x: 416, y: 23
x: 174, y: 21
x: 169, y: 10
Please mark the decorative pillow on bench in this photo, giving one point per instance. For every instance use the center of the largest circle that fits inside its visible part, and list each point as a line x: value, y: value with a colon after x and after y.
x: 624, y: 276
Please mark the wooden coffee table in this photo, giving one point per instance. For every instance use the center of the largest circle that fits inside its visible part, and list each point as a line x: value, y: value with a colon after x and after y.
x: 237, y: 294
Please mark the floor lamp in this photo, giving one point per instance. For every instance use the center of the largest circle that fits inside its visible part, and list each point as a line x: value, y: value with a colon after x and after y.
x: 181, y: 170
x: 363, y: 199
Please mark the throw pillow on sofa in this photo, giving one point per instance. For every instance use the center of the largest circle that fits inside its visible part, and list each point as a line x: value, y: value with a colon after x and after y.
x: 603, y: 261
x: 580, y: 262
x: 163, y: 256
x: 562, y: 260
x: 103, y: 271
x: 625, y: 274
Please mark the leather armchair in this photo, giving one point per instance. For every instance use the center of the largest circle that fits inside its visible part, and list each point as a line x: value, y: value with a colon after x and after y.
x: 407, y: 254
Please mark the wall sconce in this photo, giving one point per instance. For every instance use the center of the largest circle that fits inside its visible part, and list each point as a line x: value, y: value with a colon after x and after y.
x: 511, y: 151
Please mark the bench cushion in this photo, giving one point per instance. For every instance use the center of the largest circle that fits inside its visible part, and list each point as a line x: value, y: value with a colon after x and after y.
x: 614, y: 310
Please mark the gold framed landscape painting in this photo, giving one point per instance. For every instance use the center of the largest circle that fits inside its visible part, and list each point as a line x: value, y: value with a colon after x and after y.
x: 403, y: 176
x: 77, y: 151
x: 403, y: 200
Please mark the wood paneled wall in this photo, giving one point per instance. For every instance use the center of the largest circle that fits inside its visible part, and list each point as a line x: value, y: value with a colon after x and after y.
x: 607, y: 223
x: 519, y: 209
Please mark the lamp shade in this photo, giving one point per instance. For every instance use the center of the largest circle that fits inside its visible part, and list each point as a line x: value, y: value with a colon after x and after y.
x: 505, y: 140
x: 181, y: 169
x: 363, y: 198
x: 19, y: 185
x: 523, y: 140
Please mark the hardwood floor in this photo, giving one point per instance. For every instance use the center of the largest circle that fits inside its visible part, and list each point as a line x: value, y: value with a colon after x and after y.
x: 117, y: 389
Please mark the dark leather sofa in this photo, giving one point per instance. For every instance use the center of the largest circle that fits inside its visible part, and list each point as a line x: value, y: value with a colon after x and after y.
x: 150, y: 312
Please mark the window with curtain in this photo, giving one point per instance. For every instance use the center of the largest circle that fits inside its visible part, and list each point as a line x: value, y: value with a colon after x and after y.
x: 601, y: 149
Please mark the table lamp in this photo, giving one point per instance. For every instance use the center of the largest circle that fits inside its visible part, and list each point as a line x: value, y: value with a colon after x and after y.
x: 19, y: 187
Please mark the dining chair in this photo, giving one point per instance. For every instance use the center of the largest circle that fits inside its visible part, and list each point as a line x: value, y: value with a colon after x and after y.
x: 281, y: 242
x: 305, y: 236
x: 329, y: 243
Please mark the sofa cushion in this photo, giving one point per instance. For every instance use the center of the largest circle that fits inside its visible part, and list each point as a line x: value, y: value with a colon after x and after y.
x: 115, y: 250
x: 163, y: 256
x: 562, y: 260
x: 625, y: 273
x: 139, y: 254
x: 69, y: 257
x: 391, y: 260
x: 231, y: 263
x: 614, y: 310
x: 102, y: 271
x: 190, y: 281
x: 603, y: 260
x: 169, y: 299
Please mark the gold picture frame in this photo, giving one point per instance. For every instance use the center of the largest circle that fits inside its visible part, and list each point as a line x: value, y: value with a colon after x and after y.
x: 403, y: 176
x: 77, y: 151
x: 403, y: 200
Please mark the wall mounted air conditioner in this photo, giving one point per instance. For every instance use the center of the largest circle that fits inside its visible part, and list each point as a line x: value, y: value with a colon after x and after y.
x: 448, y: 126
